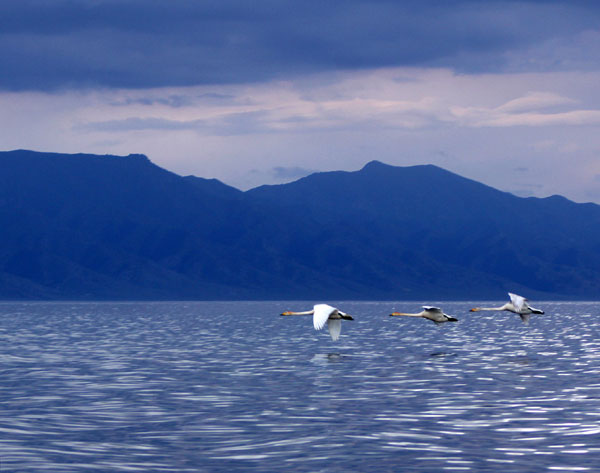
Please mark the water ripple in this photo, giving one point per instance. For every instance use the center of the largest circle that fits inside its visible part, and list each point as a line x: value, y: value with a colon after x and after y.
x: 230, y: 386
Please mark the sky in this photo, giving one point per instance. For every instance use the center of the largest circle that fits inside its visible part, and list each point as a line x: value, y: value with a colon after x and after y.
x: 504, y: 92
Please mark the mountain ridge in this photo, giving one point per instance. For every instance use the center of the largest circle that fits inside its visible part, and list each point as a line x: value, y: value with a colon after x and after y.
x: 108, y: 227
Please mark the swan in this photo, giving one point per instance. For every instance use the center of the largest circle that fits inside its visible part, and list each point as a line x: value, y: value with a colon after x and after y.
x: 435, y: 314
x: 325, y: 313
x: 518, y: 305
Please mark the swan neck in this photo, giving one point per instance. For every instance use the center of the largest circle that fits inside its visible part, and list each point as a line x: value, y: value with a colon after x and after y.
x: 306, y: 312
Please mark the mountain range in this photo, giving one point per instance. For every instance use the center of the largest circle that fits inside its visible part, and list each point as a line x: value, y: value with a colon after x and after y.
x: 89, y: 227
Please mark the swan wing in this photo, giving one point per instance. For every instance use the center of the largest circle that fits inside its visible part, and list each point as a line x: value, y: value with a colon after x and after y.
x: 322, y: 313
x: 518, y: 301
x: 430, y: 308
x: 335, y: 328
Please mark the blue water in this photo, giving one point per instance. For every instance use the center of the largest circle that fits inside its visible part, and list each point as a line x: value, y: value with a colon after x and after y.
x: 232, y: 386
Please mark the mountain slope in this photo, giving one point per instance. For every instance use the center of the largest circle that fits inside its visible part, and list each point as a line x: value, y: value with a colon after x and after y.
x: 435, y: 224
x: 118, y: 227
x: 98, y: 227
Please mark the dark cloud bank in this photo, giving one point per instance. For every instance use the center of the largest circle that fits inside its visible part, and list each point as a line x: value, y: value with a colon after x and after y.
x: 150, y: 43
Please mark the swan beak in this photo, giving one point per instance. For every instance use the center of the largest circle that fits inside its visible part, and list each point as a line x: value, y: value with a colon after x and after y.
x: 394, y: 313
x: 474, y: 310
x: 287, y: 312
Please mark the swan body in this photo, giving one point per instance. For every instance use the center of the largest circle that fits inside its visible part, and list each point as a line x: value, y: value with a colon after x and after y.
x: 435, y: 314
x: 518, y: 305
x: 322, y: 314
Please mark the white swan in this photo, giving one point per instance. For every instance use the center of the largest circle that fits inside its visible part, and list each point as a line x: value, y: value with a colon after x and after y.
x: 325, y: 313
x: 435, y: 314
x: 517, y: 305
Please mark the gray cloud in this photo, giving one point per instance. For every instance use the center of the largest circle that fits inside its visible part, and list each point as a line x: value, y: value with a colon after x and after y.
x: 140, y: 124
x: 242, y: 123
x: 175, y: 100
x: 152, y: 43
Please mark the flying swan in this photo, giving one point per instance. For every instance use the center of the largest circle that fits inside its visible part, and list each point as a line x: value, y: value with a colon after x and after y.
x: 517, y: 304
x: 435, y: 314
x: 325, y: 313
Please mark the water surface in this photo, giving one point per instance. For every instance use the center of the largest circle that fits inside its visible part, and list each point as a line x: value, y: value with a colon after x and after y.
x: 232, y: 386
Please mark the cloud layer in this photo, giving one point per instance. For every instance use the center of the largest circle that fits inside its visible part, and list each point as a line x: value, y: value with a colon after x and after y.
x: 153, y: 43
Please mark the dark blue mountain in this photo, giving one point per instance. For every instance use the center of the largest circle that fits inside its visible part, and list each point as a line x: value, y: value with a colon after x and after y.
x: 444, y: 232
x: 110, y: 227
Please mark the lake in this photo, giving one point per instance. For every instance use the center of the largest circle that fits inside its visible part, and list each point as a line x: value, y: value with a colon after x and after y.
x: 234, y: 387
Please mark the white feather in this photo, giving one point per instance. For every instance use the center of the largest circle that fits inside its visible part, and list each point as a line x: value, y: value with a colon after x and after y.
x: 518, y: 301
x: 322, y: 312
x: 335, y: 328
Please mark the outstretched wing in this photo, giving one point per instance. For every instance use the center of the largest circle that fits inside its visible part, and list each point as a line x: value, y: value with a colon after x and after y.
x: 430, y: 308
x: 322, y: 312
x: 518, y: 301
x: 335, y: 328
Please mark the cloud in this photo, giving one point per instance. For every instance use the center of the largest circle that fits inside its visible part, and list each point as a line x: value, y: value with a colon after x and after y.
x: 529, y: 111
x: 226, y: 124
x: 141, y: 44
x: 579, y: 51
x: 369, y: 101
x: 173, y: 100
x: 535, y: 101
x: 490, y: 118
x: 285, y: 110
x: 139, y: 124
